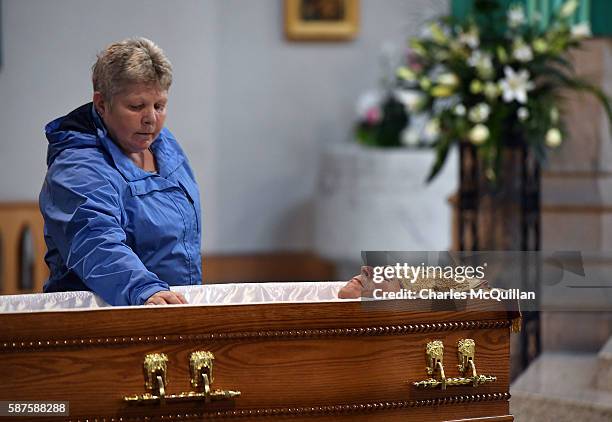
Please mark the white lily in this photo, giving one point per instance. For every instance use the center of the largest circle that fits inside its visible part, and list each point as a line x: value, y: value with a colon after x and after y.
x: 411, y: 99
x: 483, y: 62
x: 521, y: 51
x: 448, y: 79
x: 470, y: 38
x: 479, y: 113
x: 459, y: 110
x: 515, y: 85
x: 479, y: 134
x: 479, y: 58
x: 553, y: 138
x: 516, y: 16
x: 581, y: 31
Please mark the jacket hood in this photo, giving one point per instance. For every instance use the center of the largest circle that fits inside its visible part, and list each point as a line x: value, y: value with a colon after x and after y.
x: 83, y: 128
x: 77, y: 129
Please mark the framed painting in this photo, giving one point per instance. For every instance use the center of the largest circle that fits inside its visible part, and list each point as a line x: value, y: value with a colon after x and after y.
x: 321, y: 20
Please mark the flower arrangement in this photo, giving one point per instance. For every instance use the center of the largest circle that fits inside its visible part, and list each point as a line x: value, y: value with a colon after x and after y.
x: 485, y: 79
x: 384, y: 115
x: 381, y: 115
x: 382, y: 118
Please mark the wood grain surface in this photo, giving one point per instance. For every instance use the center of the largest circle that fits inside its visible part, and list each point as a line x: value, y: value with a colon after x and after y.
x: 15, y: 217
x: 300, y: 357
x: 152, y: 321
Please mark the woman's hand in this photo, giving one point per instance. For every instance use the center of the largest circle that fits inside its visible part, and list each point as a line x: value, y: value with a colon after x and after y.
x: 166, y: 297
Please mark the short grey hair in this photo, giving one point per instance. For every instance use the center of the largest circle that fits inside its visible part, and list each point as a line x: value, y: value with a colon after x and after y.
x: 131, y: 61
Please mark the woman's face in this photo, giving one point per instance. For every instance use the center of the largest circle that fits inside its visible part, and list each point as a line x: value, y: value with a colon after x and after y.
x: 135, y: 117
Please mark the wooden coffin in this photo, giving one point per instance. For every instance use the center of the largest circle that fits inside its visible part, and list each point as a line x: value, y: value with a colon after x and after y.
x: 295, y: 360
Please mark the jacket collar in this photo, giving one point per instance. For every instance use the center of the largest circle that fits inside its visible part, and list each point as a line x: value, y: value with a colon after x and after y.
x: 165, y: 148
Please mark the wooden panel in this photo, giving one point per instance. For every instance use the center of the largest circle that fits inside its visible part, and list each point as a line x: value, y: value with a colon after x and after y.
x: 420, y: 414
x: 266, y: 267
x: 367, y: 413
x: 14, y: 218
x: 322, y: 361
x: 172, y: 320
x: 291, y: 372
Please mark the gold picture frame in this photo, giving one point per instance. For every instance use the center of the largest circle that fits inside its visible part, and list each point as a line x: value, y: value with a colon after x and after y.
x: 321, y: 20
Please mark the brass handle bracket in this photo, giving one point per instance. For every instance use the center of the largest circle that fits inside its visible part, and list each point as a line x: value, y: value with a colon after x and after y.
x: 466, y: 351
x: 201, y: 369
x: 458, y: 381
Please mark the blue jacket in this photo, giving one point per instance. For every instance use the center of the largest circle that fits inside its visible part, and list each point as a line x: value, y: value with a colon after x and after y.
x: 111, y: 227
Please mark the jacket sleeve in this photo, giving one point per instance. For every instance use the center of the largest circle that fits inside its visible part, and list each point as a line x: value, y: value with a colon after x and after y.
x: 83, y: 215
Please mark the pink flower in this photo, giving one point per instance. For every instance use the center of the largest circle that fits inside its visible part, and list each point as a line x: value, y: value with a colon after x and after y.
x: 416, y: 66
x: 373, y: 115
x: 414, y: 61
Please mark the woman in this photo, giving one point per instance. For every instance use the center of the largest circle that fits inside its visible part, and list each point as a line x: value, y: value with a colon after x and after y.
x: 120, y: 202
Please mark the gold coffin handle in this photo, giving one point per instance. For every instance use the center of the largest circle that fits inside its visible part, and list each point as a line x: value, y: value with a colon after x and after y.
x: 466, y: 351
x: 201, y: 369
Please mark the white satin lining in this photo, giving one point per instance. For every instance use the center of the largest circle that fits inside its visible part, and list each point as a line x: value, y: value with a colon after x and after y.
x: 208, y: 295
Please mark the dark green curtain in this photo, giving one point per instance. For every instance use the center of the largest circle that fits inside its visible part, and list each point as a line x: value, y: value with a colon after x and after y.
x: 597, y: 12
x: 601, y: 14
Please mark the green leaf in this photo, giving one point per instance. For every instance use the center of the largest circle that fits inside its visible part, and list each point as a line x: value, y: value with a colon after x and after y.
x: 579, y: 84
x: 442, y: 149
x: 563, y: 62
x: 582, y: 85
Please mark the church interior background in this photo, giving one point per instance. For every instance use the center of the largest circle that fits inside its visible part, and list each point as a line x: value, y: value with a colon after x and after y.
x: 288, y: 193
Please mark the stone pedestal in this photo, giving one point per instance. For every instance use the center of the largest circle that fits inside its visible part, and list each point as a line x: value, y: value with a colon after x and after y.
x: 604, y: 368
x: 561, y: 387
x: 378, y: 199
